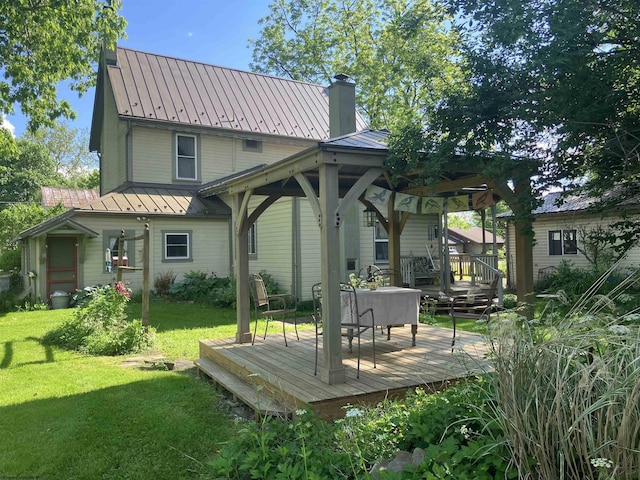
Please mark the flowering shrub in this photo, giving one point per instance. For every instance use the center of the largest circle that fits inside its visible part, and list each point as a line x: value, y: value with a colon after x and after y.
x: 100, y: 326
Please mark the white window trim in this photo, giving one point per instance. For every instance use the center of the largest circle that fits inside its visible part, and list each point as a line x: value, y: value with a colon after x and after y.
x: 562, y: 232
x: 252, y: 240
x: 167, y: 258
x: 195, y: 157
x: 377, y: 240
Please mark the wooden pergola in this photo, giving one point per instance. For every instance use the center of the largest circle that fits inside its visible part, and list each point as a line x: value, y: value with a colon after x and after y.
x: 333, y: 176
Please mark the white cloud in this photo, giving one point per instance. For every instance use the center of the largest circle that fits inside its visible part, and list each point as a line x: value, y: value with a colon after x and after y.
x: 7, y: 125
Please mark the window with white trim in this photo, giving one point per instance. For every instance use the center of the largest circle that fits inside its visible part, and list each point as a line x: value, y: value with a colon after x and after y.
x: 177, y: 245
x: 253, y: 241
x: 380, y: 243
x: 563, y: 242
x: 186, y: 157
x: 249, y: 145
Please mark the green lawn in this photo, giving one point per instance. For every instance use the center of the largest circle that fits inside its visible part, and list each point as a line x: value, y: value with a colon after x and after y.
x: 66, y: 415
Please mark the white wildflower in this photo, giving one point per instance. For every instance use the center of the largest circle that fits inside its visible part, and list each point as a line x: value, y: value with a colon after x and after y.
x: 632, y: 317
x: 300, y: 412
x: 625, y: 297
x: 466, y: 432
x: 619, y: 330
x: 601, y: 462
x: 353, y: 412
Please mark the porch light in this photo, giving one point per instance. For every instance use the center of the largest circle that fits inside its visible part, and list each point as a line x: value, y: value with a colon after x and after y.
x: 369, y: 217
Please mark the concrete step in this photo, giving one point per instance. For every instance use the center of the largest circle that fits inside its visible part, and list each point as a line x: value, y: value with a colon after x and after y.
x: 249, y: 394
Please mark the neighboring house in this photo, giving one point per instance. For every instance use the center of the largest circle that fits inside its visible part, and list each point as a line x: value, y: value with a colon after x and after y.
x: 471, y: 241
x: 167, y: 132
x: 69, y: 197
x: 557, y: 228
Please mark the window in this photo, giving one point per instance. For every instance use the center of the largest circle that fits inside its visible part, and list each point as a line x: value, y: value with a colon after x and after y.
x: 252, y: 145
x: 177, y: 246
x: 381, y: 243
x: 253, y: 241
x: 563, y: 242
x: 186, y: 157
x: 110, y: 241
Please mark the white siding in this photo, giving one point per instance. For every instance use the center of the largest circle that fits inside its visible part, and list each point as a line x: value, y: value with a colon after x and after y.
x: 219, y: 156
x: 210, y: 247
x: 112, y: 146
x: 310, y: 268
x: 541, y: 257
x: 274, y: 242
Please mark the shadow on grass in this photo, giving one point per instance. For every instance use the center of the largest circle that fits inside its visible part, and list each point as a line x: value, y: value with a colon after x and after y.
x: 163, y: 427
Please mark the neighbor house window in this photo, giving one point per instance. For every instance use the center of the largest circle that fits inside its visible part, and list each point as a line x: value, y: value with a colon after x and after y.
x: 563, y: 242
x: 177, y: 245
x: 253, y: 241
x: 252, y: 145
x: 110, y: 241
x: 186, y: 157
x: 381, y: 243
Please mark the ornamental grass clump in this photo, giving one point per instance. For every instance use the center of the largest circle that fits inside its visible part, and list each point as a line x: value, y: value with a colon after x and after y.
x: 101, y: 327
x: 568, y: 390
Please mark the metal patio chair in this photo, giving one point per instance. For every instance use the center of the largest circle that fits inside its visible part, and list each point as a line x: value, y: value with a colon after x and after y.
x: 316, y: 315
x: 351, y: 324
x: 268, y: 306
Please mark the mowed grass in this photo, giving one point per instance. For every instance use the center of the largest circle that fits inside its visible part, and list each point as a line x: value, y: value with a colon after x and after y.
x: 71, y: 416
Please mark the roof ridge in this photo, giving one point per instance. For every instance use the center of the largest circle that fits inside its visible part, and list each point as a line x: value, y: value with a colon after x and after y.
x: 274, y: 77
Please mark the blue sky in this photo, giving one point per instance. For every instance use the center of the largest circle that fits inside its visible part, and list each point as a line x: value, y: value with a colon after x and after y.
x: 210, y: 31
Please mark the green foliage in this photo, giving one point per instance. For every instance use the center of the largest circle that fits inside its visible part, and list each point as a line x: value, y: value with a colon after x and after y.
x: 567, y: 390
x: 22, y: 174
x: 195, y: 286
x: 67, y: 148
x: 401, y: 54
x: 13, y: 220
x: 100, y: 326
x: 44, y: 43
x: 556, y: 80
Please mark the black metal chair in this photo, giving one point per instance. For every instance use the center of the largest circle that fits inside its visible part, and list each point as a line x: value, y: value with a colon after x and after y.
x: 351, y: 323
x: 268, y: 306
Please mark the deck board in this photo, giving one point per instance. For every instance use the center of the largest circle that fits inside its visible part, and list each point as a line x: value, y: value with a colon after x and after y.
x: 286, y: 373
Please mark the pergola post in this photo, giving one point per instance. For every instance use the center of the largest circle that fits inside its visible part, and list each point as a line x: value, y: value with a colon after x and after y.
x: 241, y: 250
x: 331, y: 371
x: 393, y: 233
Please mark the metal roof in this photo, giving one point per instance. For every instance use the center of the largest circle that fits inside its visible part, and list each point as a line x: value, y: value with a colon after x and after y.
x: 62, y: 221
x: 472, y: 234
x: 363, y: 140
x: 69, y: 197
x: 155, y: 87
x: 151, y: 199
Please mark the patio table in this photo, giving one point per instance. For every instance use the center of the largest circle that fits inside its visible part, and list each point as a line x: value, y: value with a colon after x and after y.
x: 391, y: 306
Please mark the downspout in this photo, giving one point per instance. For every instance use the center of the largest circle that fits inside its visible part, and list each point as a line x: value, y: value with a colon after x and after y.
x: 128, y: 153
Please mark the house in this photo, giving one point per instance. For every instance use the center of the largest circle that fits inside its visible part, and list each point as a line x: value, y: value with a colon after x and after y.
x: 167, y: 132
x: 472, y: 240
x: 559, y: 227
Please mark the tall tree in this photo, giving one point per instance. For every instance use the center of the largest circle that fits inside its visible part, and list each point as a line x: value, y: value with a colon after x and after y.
x: 43, y: 42
x: 401, y: 53
x: 69, y: 150
x: 22, y: 174
x: 557, y: 80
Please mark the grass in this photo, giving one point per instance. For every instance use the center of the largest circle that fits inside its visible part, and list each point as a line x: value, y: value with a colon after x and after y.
x: 67, y: 415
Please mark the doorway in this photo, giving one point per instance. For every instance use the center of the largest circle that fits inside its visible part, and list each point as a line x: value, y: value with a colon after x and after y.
x: 62, y: 264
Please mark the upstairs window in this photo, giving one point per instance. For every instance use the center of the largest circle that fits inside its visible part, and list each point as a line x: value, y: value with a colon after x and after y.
x: 186, y: 157
x: 563, y: 242
x: 252, y: 145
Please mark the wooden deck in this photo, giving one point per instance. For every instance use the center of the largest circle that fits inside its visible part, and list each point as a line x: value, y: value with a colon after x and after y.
x: 277, y: 380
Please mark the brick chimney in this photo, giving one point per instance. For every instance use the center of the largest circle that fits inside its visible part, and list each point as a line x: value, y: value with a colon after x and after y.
x: 342, y: 106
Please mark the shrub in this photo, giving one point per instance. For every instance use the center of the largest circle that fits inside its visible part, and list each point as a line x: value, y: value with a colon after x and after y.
x: 163, y: 281
x: 224, y: 293
x: 100, y: 325
x: 194, y: 287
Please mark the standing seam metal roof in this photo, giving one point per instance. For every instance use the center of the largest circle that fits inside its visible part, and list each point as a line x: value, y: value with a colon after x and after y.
x: 154, y: 87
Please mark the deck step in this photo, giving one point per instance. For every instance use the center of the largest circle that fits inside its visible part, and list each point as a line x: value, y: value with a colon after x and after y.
x: 263, y: 405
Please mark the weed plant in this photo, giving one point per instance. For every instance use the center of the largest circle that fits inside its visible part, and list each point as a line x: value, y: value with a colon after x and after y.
x: 100, y: 326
